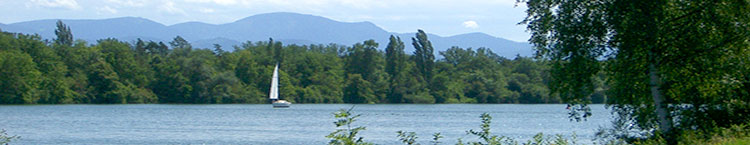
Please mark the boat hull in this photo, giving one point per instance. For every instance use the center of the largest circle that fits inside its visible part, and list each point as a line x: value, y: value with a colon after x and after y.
x: 281, y: 104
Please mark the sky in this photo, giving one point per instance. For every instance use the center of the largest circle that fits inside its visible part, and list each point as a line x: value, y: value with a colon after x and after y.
x: 498, y: 18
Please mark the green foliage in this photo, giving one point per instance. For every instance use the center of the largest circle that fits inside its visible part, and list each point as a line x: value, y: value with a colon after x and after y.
x: 18, y: 78
x: 420, y: 98
x: 423, y: 56
x: 54, y: 86
x: 409, y: 138
x: 541, y: 139
x: 5, y: 138
x: 346, y: 135
x: 358, y: 90
x: 529, y: 79
x: 732, y: 135
x: 397, y: 70
x: 672, y: 65
x: 481, y: 76
x: 64, y: 35
x: 366, y: 81
x: 485, y: 136
x: 114, y: 71
x: 436, y: 138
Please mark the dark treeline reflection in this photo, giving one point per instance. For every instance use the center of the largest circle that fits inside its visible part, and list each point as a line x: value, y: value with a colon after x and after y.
x: 36, y: 71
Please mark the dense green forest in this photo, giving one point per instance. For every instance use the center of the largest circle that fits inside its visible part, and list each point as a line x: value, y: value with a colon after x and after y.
x: 59, y: 71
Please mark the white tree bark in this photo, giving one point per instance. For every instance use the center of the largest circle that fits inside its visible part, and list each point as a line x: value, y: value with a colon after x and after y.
x: 665, y: 124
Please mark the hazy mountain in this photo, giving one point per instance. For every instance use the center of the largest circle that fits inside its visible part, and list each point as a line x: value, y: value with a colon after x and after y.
x: 290, y: 28
x: 9, y: 28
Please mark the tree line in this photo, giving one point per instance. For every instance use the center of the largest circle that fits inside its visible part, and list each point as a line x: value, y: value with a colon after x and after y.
x: 65, y: 70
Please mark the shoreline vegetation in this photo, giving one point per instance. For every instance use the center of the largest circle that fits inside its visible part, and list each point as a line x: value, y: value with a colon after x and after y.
x: 346, y: 134
x: 672, y: 72
x: 110, y: 71
x: 5, y: 138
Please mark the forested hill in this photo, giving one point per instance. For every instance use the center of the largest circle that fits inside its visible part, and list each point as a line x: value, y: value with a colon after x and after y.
x: 289, y: 28
x: 37, y: 71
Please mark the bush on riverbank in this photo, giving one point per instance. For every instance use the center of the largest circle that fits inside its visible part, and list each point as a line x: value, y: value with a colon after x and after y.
x: 733, y: 135
x: 5, y: 138
x: 486, y: 137
x: 348, y: 135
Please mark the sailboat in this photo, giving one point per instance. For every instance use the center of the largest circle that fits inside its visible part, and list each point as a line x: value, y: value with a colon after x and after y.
x: 274, y: 93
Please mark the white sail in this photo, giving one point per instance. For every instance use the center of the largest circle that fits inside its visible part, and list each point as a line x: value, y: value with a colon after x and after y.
x: 274, y: 93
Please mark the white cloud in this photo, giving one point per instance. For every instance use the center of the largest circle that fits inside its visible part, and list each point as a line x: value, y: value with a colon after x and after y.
x: 471, y: 24
x: 129, y: 3
x: 207, y: 10
x: 107, y: 9
x: 225, y: 2
x: 360, y: 4
x: 169, y: 7
x: 69, y: 4
x: 506, y: 2
x: 219, y: 2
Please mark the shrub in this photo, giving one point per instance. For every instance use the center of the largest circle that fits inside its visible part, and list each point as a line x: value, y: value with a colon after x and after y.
x: 5, y: 138
x: 348, y: 135
x: 407, y: 137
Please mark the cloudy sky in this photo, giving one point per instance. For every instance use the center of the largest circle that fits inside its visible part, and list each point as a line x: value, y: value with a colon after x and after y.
x: 443, y: 17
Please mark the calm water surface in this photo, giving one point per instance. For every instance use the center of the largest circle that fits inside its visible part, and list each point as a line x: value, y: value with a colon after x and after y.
x: 261, y: 124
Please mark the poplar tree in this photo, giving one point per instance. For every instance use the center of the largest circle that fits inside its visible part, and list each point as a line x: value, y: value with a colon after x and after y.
x: 395, y: 66
x: 424, y: 56
x: 64, y: 35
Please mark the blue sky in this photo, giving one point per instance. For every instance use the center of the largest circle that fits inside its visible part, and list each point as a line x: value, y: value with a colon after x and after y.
x: 442, y: 17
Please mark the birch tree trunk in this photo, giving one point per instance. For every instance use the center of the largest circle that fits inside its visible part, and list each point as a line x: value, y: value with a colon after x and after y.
x: 665, y: 124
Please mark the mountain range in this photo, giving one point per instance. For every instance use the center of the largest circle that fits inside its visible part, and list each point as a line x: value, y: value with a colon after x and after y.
x: 289, y: 28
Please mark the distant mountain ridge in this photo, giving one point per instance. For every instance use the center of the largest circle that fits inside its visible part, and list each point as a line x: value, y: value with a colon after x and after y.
x: 290, y: 28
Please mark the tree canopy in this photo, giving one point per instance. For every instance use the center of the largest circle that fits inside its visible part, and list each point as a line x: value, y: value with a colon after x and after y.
x: 673, y: 65
x: 115, y: 71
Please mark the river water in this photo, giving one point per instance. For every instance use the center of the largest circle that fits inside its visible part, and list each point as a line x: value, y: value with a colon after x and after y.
x: 300, y: 124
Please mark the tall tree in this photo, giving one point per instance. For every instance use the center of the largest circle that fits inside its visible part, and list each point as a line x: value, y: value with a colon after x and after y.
x: 217, y: 50
x: 140, y: 48
x: 395, y: 64
x: 661, y: 52
x: 158, y: 49
x: 64, y: 35
x: 358, y: 90
x: 180, y: 46
x: 424, y: 56
x: 363, y: 59
x: 274, y: 49
x: 395, y: 57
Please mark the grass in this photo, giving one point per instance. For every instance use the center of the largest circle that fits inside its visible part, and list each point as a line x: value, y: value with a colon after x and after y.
x: 733, y: 135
